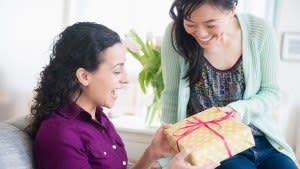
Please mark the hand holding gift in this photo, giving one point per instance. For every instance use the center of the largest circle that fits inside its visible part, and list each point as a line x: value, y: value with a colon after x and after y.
x: 229, y: 109
x: 214, y: 135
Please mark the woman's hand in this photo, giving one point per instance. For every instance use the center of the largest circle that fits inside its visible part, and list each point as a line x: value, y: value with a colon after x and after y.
x: 159, y: 146
x: 229, y: 109
x: 178, y: 162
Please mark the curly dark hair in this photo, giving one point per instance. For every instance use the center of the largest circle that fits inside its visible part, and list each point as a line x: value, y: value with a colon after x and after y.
x: 78, y: 46
x: 184, y: 43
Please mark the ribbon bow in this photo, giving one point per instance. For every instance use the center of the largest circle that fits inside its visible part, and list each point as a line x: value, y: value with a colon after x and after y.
x: 194, y: 125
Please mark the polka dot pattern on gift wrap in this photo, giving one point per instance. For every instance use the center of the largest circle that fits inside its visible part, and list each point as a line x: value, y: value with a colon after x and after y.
x: 206, y: 144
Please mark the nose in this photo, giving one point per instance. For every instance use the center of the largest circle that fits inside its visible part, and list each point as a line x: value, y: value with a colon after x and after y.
x: 124, y: 79
x: 201, y: 33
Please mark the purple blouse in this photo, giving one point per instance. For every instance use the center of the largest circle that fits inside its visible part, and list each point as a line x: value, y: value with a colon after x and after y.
x: 71, y: 139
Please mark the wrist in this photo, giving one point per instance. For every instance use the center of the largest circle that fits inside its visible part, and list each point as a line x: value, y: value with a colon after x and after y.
x: 147, y: 159
x: 152, y: 156
x: 236, y: 114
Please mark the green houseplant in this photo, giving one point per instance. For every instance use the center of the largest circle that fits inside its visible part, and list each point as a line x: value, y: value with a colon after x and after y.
x: 147, y: 53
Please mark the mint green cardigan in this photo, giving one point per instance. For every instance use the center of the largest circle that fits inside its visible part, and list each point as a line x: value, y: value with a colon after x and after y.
x: 260, y: 65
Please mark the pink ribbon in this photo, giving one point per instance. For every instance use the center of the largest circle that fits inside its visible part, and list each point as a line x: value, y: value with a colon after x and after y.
x: 194, y: 125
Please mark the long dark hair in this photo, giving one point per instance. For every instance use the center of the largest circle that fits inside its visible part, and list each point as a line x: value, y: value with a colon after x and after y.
x: 78, y: 46
x: 184, y: 43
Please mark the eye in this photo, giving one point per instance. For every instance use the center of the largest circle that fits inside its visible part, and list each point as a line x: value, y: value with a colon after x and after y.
x: 190, y: 25
x: 117, y: 70
x: 210, y: 26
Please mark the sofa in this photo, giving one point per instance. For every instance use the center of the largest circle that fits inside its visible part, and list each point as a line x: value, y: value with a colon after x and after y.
x: 15, y: 145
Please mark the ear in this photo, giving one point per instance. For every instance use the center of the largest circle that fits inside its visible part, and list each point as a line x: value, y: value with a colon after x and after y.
x: 234, y: 9
x: 231, y: 13
x: 82, y: 76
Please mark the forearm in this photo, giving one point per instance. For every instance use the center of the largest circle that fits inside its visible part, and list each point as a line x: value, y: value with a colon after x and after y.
x: 146, y: 161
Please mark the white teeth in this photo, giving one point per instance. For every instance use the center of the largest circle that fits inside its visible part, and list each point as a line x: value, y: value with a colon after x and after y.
x: 206, y: 39
x: 115, y: 93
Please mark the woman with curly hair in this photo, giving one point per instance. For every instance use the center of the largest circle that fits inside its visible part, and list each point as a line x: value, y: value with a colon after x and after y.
x: 86, y: 69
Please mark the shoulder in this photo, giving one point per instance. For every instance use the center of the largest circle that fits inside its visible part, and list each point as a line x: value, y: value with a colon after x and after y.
x: 252, y: 22
x: 169, y: 27
x: 167, y: 48
x: 58, y: 144
x: 56, y: 130
x: 167, y: 33
x: 256, y: 29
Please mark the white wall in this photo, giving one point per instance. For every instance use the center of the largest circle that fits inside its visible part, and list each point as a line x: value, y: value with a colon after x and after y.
x: 27, y: 31
x: 142, y: 15
x: 289, y: 22
x: 289, y: 77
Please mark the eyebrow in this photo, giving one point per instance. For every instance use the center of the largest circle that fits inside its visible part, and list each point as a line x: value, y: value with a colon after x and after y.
x: 119, y: 64
x: 208, y: 21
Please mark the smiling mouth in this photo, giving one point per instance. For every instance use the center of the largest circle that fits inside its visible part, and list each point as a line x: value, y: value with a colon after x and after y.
x: 206, y: 39
x: 114, y: 94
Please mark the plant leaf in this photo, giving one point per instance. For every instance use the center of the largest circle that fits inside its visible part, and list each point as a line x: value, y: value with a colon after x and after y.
x: 142, y: 76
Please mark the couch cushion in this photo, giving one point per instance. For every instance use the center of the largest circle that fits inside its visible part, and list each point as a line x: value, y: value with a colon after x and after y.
x: 19, y: 122
x: 16, y: 150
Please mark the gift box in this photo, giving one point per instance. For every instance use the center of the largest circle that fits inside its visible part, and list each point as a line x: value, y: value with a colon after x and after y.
x: 214, y: 136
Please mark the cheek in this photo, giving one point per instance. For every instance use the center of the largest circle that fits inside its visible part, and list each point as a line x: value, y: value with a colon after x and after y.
x: 100, y: 87
x: 220, y: 28
x: 189, y: 30
x: 97, y: 91
x: 215, y: 31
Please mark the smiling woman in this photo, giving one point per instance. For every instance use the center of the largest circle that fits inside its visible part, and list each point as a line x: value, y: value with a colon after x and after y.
x: 213, y: 56
x: 86, y: 68
x: 84, y: 72
x: 110, y: 75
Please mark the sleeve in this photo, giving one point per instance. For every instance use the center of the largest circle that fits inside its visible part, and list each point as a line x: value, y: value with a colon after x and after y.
x: 269, y: 93
x: 60, y: 151
x: 171, y: 77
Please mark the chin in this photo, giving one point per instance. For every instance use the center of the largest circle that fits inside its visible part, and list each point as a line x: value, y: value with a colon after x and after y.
x: 209, y: 45
x: 109, y: 105
x: 206, y: 46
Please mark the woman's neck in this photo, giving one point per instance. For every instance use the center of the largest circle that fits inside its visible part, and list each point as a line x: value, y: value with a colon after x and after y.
x: 85, y: 104
x: 232, y: 31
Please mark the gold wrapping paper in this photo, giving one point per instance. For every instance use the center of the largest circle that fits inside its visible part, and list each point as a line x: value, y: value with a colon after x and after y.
x: 213, y: 134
